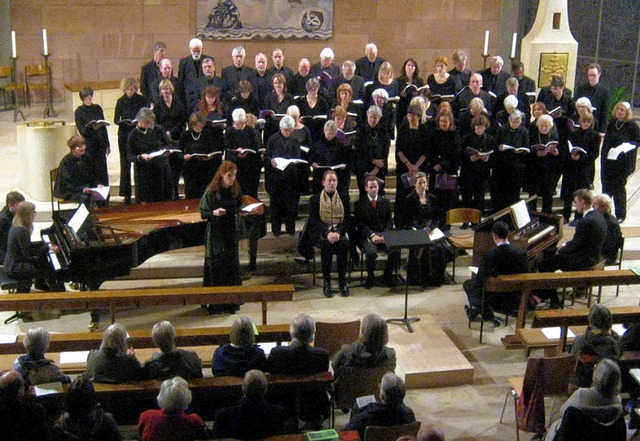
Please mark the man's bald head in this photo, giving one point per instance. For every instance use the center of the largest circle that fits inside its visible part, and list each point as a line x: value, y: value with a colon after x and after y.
x: 11, y: 385
x: 430, y: 432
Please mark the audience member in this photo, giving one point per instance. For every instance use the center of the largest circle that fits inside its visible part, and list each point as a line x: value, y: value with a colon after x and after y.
x: 240, y: 355
x: 300, y: 358
x: 34, y: 367
x: 149, y: 72
x: 170, y: 422
x: 21, y: 419
x: 170, y: 361
x: 114, y: 362
x: 253, y: 417
x: 7, y: 214
x: 389, y: 411
x: 84, y: 418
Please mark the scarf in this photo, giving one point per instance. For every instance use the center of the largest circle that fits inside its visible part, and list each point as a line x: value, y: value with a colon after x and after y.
x: 331, y: 209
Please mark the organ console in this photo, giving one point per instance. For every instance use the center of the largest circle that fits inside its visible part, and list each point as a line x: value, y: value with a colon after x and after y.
x: 543, y: 232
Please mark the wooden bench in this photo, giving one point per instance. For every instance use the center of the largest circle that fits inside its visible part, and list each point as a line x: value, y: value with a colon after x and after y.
x: 525, y: 283
x: 127, y: 400
x: 112, y: 299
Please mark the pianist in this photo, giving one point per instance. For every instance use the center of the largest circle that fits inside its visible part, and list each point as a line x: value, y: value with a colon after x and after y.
x: 76, y: 174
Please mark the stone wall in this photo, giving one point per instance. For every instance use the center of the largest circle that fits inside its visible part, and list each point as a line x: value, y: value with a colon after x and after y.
x: 110, y: 39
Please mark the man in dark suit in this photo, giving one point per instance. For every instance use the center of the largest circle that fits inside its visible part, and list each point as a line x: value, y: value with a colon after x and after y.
x: 166, y: 73
x: 325, y: 64
x: 259, y: 79
x: 513, y: 88
x: 494, y: 78
x: 6, y: 218
x: 368, y: 66
x: 373, y: 216
x: 298, y: 86
x: 300, y: 358
x: 460, y: 71
x: 503, y: 259
x: 277, y: 56
x: 253, y: 417
x: 190, y: 67
x: 232, y: 75
x: 194, y: 92
x: 525, y: 84
x: 151, y: 70
x: 598, y: 95
x: 349, y: 77
x: 462, y: 101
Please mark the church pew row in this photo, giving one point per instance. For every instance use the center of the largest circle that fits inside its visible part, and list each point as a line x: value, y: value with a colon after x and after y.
x: 127, y: 400
x: 135, y: 298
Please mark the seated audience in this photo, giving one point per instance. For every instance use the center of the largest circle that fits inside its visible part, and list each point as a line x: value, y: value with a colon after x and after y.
x: 170, y: 361
x: 241, y: 355
x: 6, y: 218
x: 389, y: 411
x: 373, y: 216
x: 253, y: 417
x: 604, y: 205
x: 601, y: 401
x: 328, y: 226
x: 20, y: 419
x: 597, y: 343
x: 503, y: 259
x: 113, y: 362
x: 170, y: 422
x: 84, y: 418
x: 34, y: 368
x: 76, y: 174
x: 370, y: 350
x: 300, y: 358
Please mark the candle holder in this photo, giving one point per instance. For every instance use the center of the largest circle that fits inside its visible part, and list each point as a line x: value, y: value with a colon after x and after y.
x: 14, y: 76
x: 485, y: 57
x: 512, y: 60
x: 49, y: 112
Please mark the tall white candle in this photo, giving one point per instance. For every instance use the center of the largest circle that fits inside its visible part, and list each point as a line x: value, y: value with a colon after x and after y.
x: 513, y: 45
x: 14, y: 50
x: 45, y: 45
x: 486, y: 43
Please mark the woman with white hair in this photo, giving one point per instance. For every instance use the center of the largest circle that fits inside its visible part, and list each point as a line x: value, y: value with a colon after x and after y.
x: 284, y: 196
x: 34, y: 367
x: 616, y: 169
x: 372, y: 149
x: 243, y: 146
x: 546, y: 160
x: 170, y: 422
x: 114, y: 362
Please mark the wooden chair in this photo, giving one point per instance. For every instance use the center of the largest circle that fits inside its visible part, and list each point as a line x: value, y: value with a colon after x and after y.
x: 462, y: 241
x: 553, y: 372
x: 572, y: 294
x: 353, y: 383
x: 331, y: 336
x: 391, y: 433
x: 53, y: 175
x: 40, y: 72
x: 10, y: 86
x: 617, y: 262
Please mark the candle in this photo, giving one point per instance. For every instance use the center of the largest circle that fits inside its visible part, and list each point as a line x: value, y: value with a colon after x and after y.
x: 44, y: 42
x: 486, y: 43
x: 14, y: 50
x: 513, y: 45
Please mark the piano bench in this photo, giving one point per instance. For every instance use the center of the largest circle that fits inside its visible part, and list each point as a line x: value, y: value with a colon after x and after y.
x: 7, y: 283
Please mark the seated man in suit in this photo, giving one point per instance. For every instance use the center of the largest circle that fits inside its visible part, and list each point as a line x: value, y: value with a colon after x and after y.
x: 373, y: 216
x: 300, y: 358
x: 253, y: 417
x: 503, y: 259
x: 170, y: 362
x: 389, y: 411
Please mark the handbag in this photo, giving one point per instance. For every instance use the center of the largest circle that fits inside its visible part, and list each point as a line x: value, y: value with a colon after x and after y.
x: 446, y: 182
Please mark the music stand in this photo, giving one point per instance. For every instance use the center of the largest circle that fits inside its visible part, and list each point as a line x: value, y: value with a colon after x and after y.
x: 405, y: 239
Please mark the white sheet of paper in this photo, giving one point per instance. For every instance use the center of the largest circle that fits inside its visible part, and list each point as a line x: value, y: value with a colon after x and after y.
x: 436, y: 234
x: 266, y: 347
x: 619, y: 329
x: 249, y: 208
x: 78, y: 218
x: 48, y: 388
x: 7, y: 339
x: 69, y: 357
x: 554, y: 333
x: 473, y: 269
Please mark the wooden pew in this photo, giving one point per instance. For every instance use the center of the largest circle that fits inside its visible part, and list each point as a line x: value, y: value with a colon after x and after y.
x: 123, y: 298
x: 526, y: 283
x: 127, y: 400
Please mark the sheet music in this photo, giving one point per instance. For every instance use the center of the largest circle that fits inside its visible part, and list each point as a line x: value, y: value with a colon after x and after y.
x: 73, y: 357
x: 78, y: 218
x: 48, y: 389
x: 266, y: 347
x: 554, y: 333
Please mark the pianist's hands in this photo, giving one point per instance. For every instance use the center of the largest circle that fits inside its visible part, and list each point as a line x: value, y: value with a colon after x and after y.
x: 53, y: 247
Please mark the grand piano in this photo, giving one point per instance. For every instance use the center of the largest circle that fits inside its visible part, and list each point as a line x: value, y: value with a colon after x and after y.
x: 542, y: 232
x: 112, y: 240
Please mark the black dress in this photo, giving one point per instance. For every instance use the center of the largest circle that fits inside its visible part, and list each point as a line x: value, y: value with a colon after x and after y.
x: 475, y: 174
x: 450, y: 87
x: 249, y: 164
x: 97, y: 140
x: 199, y: 171
x: 271, y: 102
x: 413, y: 144
x: 371, y: 143
x: 316, y: 126
x: 444, y: 150
x: 74, y: 174
x: 576, y: 172
x: 126, y: 109
x: 153, y: 177
x: 173, y: 120
x: 508, y: 167
x: 546, y: 169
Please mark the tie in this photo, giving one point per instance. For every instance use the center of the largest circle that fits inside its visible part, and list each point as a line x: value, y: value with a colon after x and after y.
x: 373, y: 203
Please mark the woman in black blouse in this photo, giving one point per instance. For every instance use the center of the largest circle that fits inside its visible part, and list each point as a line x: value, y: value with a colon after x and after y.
x: 475, y: 168
x: 199, y: 170
x: 127, y: 107
x: 410, y: 75
x: 278, y: 101
x: 441, y: 82
x: 546, y: 161
x: 95, y: 134
x: 244, y: 99
x: 386, y: 81
x: 444, y: 158
x: 313, y: 105
x: 615, y: 172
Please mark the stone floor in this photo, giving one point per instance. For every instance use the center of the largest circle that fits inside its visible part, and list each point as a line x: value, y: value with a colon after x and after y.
x: 468, y: 412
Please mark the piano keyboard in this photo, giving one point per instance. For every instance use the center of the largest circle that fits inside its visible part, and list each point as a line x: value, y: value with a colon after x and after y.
x: 52, y: 256
x: 543, y: 233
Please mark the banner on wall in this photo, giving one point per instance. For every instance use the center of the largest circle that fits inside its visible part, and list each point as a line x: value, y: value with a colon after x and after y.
x: 248, y: 19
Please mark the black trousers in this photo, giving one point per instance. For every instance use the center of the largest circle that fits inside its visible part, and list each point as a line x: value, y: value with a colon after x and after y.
x: 341, y: 250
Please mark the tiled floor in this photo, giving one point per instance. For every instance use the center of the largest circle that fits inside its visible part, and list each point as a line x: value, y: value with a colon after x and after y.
x: 469, y: 412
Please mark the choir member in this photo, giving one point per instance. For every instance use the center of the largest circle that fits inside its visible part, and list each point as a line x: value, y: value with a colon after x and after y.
x: 368, y: 66
x: 513, y: 88
x: 476, y: 108
x: 597, y: 94
x: 525, y: 84
x: 443, y: 83
x: 371, y: 149
x: 260, y: 80
x: 444, y: 158
x: 190, y: 68
x: 560, y: 106
x: 244, y: 99
x: 494, y: 78
x: 299, y: 81
x: 546, y: 160
x: 475, y: 167
x: 380, y: 98
x: 209, y: 78
x: 95, y: 133
x: 237, y: 72
x: 474, y: 90
x: 150, y: 71
x: 326, y: 153
x: 278, y: 101
x: 166, y: 73
x: 344, y: 98
x: 385, y: 81
x: 326, y: 64
x: 195, y: 142
x: 460, y: 71
x: 410, y: 75
x: 302, y: 135
x: 354, y: 81
x: 313, y: 105
x: 277, y: 56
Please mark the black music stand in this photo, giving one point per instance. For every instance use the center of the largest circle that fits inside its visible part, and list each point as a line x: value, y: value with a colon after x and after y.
x: 405, y: 239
